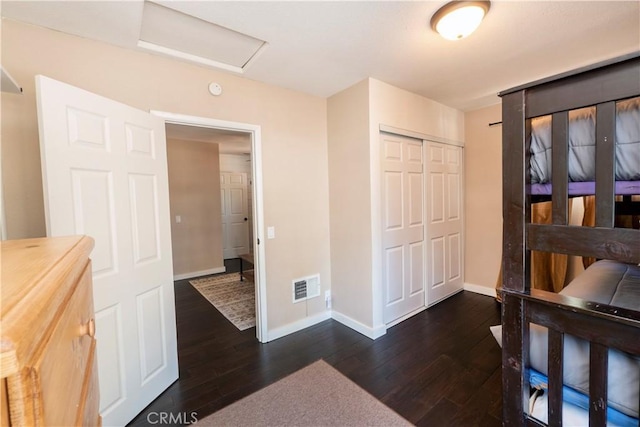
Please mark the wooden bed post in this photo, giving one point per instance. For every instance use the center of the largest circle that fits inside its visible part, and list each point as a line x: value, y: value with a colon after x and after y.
x: 515, y: 257
x: 605, y: 159
x: 560, y: 174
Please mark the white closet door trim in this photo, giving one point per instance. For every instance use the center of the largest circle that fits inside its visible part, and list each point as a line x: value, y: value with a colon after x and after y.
x: 419, y: 135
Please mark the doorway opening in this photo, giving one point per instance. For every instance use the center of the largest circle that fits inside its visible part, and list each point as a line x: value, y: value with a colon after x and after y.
x: 239, y: 195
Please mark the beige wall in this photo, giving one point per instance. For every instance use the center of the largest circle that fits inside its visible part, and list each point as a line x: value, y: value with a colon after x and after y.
x: 294, y: 140
x: 483, y: 200
x: 391, y: 106
x: 483, y: 196
x: 348, y: 130
x: 194, y: 195
x: 354, y: 119
x: 402, y: 109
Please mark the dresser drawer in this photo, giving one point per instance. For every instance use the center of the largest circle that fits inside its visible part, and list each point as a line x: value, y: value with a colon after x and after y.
x: 47, y: 351
x: 65, y: 374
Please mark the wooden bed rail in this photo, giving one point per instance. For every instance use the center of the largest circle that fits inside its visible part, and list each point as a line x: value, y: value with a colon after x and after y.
x: 603, y: 326
x: 620, y: 244
x: 610, y: 80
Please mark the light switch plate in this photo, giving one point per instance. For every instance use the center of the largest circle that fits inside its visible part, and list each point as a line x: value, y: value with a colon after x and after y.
x: 271, y: 232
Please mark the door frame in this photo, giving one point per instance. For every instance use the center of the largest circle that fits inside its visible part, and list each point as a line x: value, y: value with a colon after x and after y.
x: 257, y: 198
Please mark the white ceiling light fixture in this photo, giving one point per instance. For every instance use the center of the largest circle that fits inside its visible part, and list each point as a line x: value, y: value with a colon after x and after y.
x: 457, y: 19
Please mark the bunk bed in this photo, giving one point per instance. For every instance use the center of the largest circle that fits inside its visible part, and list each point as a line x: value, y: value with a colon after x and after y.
x: 599, y: 312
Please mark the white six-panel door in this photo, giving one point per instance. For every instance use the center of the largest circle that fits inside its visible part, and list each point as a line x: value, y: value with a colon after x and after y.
x: 444, y: 221
x: 235, y: 214
x: 403, y: 226
x: 105, y: 175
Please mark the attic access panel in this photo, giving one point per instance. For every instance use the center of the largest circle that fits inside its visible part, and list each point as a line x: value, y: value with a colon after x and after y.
x: 177, y: 34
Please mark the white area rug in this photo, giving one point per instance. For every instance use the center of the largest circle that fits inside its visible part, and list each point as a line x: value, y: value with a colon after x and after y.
x: 233, y: 298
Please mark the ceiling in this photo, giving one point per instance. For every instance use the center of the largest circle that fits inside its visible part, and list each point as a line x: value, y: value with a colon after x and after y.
x: 229, y: 142
x: 323, y: 47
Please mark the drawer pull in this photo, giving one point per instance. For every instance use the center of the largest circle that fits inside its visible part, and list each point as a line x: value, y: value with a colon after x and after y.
x: 89, y: 328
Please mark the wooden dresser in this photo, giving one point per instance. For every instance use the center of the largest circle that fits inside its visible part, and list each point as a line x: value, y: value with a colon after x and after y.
x: 48, y: 350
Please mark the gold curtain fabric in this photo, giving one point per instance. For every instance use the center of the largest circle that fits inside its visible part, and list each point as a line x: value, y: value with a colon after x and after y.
x: 548, y: 270
x: 589, y: 220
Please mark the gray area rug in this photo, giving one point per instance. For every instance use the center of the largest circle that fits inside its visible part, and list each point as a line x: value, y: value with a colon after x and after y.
x: 317, y: 395
x: 236, y: 300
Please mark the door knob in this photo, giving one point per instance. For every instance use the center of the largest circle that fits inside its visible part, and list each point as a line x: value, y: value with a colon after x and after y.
x: 89, y: 328
x: 246, y: 219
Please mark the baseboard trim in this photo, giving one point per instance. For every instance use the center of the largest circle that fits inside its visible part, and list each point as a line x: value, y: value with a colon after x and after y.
x: 484, y: 290
x: 365, y: 330
x: 193, y: 274
x: 298, y: 325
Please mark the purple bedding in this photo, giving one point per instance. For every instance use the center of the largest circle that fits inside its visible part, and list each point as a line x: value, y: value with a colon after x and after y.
x: 588, y: 188
x: 581, y: 151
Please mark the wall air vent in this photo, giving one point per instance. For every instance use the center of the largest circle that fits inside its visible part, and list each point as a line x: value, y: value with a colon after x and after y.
x: 306, y: 287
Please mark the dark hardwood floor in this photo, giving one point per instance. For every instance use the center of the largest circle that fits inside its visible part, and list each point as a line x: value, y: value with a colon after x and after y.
x: 439, y: 368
